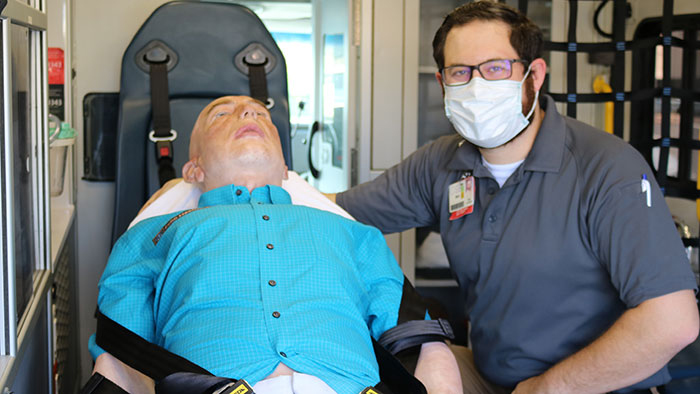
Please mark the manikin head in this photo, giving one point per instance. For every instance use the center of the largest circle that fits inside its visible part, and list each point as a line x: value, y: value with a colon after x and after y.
x: 235, y: 142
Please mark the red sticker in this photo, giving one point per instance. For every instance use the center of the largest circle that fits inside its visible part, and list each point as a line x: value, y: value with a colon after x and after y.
x: 56, y: 66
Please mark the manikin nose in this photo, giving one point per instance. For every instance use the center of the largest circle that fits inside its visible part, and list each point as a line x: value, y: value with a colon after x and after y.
x: 248, y: 111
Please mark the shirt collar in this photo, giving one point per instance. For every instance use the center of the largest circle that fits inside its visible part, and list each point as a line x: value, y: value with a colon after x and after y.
x: 232, y: 195
x: 546, y: 154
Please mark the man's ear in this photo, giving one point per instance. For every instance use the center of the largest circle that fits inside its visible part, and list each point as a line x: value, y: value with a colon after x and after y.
x: 438, y: 77
x: 192, y: 173
x: 538, y: 69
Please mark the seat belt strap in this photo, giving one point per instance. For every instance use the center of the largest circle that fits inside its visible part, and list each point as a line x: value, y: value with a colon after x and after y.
x: 258, y: 82
x: 158, y: 363
x: 190, y: 383
x: 414, y: 333
x: 395, y: 379
x: 98, y: 384
x: 140, y: 354
x: 162, y: 134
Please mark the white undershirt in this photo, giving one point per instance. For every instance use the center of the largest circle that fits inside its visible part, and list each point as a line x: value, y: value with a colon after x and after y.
x: 501, y: 171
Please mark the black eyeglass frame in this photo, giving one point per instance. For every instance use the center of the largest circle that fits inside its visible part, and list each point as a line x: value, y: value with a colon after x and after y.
x: 477, y: 67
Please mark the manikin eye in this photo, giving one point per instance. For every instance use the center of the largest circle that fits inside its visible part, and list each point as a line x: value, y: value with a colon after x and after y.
x: 220, y: 114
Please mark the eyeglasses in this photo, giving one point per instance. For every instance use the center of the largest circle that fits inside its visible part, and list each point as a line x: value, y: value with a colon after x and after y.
x: 491, y: 70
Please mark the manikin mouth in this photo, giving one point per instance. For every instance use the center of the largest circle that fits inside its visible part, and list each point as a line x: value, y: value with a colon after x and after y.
x: 250, y: 129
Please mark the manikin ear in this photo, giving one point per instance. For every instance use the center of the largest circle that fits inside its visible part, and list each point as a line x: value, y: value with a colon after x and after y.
x: 192, y: 173
x: 538, y: 70
x: 438, y: 77
x: 285, y: 175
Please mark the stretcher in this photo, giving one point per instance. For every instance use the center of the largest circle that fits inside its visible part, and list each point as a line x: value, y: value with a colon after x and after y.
x: 185, y: 55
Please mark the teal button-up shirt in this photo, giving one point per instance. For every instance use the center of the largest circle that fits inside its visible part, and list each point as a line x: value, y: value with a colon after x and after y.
x: 248, y: 281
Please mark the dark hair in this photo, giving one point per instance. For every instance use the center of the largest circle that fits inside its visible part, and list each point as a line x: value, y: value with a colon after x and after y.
x: 525, y: 36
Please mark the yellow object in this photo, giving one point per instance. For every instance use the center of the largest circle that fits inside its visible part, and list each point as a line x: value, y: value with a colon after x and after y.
x: 600, y: 86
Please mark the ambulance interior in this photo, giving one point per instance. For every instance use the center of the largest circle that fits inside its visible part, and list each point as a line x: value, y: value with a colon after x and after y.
x: 361, y: 96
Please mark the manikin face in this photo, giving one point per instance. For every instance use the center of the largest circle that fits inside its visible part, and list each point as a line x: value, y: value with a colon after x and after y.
x: 479, y: 41
x: 234, y: 137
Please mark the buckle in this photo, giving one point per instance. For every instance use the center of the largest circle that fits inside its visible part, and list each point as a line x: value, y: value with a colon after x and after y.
x: 238, y: 387
x: 172, y: 137
x: 370, y: 390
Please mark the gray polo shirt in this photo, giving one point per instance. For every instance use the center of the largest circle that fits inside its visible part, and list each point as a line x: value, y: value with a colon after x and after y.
x: 550, y: 260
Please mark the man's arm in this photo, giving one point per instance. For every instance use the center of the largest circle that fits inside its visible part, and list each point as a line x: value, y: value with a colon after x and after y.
x: 123, y: 375
x: 437, y: 369
x: 639, y: 344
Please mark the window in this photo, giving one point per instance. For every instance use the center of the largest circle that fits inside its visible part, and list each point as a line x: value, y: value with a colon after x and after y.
x: 24, y: 224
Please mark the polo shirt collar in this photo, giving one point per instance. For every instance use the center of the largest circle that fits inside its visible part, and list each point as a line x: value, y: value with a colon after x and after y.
x: 546, y: 154
x: 232, y: 195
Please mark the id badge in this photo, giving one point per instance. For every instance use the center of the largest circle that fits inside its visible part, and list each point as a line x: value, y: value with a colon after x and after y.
x: 461, y: 197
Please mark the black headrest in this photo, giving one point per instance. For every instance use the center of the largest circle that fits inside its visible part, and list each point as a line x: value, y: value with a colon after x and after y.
x: 204, y: 44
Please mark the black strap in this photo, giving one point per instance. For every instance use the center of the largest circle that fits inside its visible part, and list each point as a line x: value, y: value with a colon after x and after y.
x: 160, y: 107
x: 157, y: 363
x: 193, y: 383
x: 412, y: 307
x: 395, y: 379
x: 617, y: 79
x: 140, y: 354
x: 3, y: 3
x: 414, y: 333
x: 98, y: 384
x: 571, y: 60
x: 664, y: 150
x: 258, y: 82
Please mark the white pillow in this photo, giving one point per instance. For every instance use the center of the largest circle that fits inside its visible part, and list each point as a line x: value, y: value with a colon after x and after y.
x: 186, y: 195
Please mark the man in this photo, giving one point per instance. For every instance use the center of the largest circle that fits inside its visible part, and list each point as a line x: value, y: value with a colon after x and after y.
x: 574, y: 278
x: 249, y: 286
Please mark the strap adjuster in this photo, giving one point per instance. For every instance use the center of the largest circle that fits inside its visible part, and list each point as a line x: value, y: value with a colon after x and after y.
x: 238, y: 387
x: 171, y: 137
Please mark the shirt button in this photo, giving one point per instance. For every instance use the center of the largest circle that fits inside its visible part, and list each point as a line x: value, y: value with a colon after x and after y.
x: 272, y: 283
x: 492, y: 219
x: 238, y: 192
x: 270, y: 246
x: 283, y: 354
x: 276, y: 315
x: 259, y: 202
x: 265, y: 217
